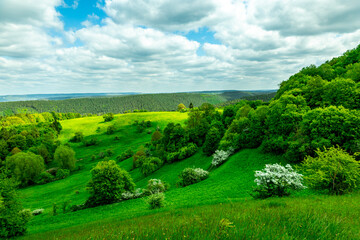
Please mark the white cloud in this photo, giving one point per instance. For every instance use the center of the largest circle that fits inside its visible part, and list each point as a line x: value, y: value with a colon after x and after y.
x: 141, y: 45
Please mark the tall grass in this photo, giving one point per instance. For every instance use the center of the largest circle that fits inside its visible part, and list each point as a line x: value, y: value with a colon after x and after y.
x: 320, y: 217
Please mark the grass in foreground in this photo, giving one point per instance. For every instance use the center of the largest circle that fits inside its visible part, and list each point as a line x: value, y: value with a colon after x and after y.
x: 311, y: 217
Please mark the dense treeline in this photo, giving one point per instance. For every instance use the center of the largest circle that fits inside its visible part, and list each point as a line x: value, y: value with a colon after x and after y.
x: 316, y: 108
x: 120, y: 104
x: 261, y: 97
x: 27, y: 118
x: 248, y: 95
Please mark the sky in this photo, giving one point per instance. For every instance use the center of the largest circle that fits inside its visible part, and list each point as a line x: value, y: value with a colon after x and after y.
x: 88, y: 46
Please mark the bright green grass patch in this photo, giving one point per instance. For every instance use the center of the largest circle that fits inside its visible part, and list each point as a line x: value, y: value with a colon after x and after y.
x: 89, y: 125
x: 316, y: 217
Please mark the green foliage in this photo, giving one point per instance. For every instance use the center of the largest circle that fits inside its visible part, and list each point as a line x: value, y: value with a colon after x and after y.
x: 45, y: 177
x: 125, y: 155
x: 156, y: 200
x: 108, y: 117
x: 110, y: 129
x: 107, y: 183
x: 65, y: 157
x: 13, y: 219
x: 191, y: 175
x: 62, y: 173
x: 212, y: 140
x: 182, y: 153
x: 93, y: 141
x: 181, y: 107
x: 25, y: 167
x: 156, y: 136
x: 139, y: 157
x: 150, y: 165
x: 78, y: 137
x: 332, y: 170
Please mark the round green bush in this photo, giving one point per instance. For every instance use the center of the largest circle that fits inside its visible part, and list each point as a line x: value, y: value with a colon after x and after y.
x: 108, y: 182
x: 333, y: 170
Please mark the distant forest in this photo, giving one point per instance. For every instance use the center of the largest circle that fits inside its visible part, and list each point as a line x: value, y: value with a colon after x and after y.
x: 129, y: 103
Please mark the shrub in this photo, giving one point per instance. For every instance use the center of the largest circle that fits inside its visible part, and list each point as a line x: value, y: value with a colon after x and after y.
x: 91, y: 142
x: 65, y: 157
x: 13, y: 219
x: 109, y: 152
x: 156, y: 136
x: 45, y: 177
x: 62, y: 173
x: 191, y: 175
x: 276, y: 180
x: 108, y: 182
x: 108, y: 117
x: 139, y: 157
x: 110, y: 129
x: 156, y: 186
x: 78, y: 137
x: 150, y: 165
x: 25, y: 167
x: 156, y: 200
x: 183, y: 153
x: 132, y: 195
x: 74, y: 208
x: 220, y: 156
x: 37, y: 212
x: 333, y: 170
x: 125, y: 155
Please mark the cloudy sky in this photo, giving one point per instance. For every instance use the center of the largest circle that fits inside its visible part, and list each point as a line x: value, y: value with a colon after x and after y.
x: 67, y: 46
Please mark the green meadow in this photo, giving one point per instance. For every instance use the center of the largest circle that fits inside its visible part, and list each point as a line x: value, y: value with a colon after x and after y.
x: 219, y: 207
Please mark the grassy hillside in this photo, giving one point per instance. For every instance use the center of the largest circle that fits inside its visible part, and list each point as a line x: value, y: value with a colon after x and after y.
x: 230, y: 182
x: 315, y: 217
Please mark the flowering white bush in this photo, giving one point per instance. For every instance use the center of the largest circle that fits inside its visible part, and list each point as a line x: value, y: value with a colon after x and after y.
x: 37, y: 211
x: 201, y: 173
x: 221, y: 156
x: 132, y: 195
x: 192, y: 175
x: 277, y: 180
x: 156, y: 186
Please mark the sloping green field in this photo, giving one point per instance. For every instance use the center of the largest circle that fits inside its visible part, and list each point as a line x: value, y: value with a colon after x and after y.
x: 193, y: 212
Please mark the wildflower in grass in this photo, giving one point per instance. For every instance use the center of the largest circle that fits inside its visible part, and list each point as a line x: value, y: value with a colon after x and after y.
x: 277, y: 180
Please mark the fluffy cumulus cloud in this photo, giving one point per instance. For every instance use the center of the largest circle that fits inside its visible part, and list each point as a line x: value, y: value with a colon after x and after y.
x: 145, y: 46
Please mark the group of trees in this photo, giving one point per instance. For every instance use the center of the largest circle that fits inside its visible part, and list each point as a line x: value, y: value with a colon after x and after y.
x: 116, y: 104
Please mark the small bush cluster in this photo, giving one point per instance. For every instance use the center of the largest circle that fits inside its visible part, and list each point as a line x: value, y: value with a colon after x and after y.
x: 150, y: 165
x: 108, y: 117
x: 91, y: 142
x: 110, y: 129
x: 62, y: 173
x: 125, y: 155
x: 183, y: 153
x: 191, y: 175
x: 141, y: 126
x: 277, y: 180
x: 220, y: 156
x: 156, y: 200
x: 78, y: 137
x: 156, y: 186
